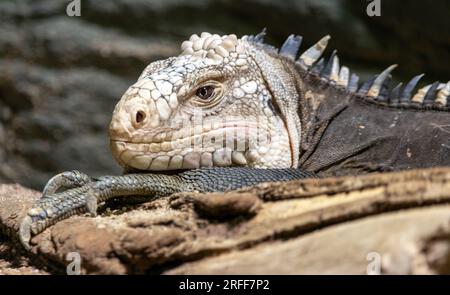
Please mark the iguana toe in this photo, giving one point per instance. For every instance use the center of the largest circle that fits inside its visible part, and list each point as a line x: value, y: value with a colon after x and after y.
x: 67, y: 180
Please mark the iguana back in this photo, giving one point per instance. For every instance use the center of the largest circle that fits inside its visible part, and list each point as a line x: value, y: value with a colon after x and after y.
x: 352, y: 132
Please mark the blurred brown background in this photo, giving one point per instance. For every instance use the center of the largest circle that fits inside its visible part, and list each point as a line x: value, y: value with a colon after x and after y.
x: 61, y: 76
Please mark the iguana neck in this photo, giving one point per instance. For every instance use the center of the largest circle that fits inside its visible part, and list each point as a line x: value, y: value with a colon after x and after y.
x: 343, y: 128
x: 304, y: 101
x: 318, y: 101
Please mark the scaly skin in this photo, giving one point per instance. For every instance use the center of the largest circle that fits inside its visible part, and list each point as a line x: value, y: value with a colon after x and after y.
x: 243, y: 105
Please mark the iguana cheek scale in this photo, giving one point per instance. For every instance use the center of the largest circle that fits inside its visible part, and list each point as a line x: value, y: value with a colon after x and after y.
x: 232, y: 112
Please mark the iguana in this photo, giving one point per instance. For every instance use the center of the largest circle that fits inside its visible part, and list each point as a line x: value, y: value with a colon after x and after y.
x: 229, y: 112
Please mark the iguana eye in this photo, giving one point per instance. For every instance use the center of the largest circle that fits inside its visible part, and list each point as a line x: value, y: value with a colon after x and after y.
x: 205, y: 92
x: 207, y: 95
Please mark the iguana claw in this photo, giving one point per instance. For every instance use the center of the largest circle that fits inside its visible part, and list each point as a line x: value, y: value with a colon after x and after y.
x: 25, y: 232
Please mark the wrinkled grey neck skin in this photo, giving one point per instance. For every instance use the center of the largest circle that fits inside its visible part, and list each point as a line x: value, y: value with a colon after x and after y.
x: 334, y: 131
x: 285, y: 87
x: 299, y: 103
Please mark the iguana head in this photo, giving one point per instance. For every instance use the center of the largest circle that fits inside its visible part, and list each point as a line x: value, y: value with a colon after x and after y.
x: 210, y: 106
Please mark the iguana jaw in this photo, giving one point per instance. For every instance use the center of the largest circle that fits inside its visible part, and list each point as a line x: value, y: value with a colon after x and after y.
x: 207, y: 144
x: 157, y: 126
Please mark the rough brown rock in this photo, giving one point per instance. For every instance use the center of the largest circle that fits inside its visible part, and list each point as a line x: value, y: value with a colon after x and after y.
x: 14, y: 200
x: 307, y: 226
x: 12, y: 263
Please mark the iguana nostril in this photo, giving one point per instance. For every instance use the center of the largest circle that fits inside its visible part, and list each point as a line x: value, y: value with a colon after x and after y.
x: 140, y: 117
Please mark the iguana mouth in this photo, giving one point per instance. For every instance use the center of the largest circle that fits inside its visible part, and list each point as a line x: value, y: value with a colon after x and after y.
x: 230, y: 144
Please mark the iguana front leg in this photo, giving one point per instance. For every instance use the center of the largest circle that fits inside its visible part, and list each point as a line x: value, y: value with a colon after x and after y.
x: 86, y: 198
